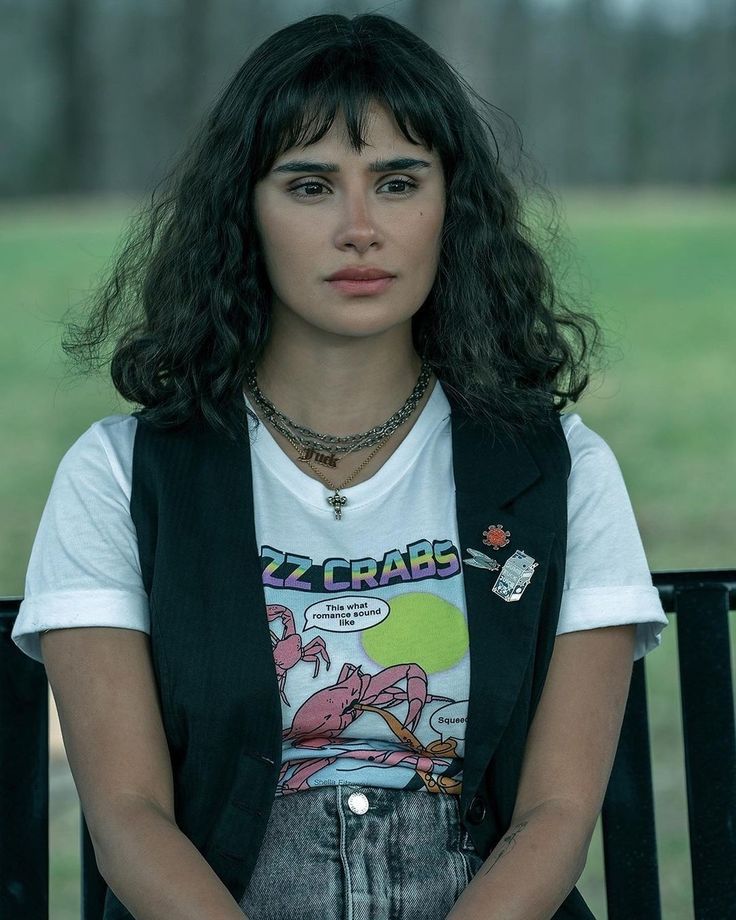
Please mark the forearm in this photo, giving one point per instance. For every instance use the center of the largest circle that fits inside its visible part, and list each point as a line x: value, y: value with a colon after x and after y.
x: 156, y: 871
x: 531, y: 870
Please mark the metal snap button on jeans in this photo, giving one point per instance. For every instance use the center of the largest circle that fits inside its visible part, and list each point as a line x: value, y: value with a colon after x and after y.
x: 358, y: 803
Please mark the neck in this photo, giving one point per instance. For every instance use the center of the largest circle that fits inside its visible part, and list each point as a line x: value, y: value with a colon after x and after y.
x: 339, y: 391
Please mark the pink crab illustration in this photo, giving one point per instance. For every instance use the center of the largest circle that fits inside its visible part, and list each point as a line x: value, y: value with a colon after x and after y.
x: 288, y: 649
x: 322, y: 718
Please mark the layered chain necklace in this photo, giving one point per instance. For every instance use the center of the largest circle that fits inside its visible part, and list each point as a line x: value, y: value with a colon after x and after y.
x: 324, y: 447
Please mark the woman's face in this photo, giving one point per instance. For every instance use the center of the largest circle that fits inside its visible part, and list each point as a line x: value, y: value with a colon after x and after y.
x: 314, y: 221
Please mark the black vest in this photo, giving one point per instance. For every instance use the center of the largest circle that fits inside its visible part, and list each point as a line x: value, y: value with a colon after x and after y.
x: 192, y: 506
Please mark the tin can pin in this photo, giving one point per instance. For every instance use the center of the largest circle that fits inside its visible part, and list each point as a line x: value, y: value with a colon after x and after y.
x: 515, y: 575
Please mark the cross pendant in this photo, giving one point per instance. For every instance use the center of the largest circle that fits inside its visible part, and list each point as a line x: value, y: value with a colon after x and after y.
x: 337, y: 501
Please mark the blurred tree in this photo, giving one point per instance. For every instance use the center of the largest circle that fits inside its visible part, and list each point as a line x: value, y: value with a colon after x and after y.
x: 98, y: 95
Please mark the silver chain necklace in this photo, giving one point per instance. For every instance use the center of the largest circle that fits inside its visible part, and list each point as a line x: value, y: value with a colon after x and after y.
x: 323, y: 447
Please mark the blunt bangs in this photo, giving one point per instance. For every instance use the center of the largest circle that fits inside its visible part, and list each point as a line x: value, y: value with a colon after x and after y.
x: 347, y: 81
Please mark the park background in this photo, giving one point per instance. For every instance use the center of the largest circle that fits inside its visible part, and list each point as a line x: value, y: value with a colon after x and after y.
x: 628, y: 110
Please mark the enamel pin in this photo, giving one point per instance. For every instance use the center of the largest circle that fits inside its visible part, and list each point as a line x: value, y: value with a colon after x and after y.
x: 517, y: 571
x: 496, y: 537
x: 481, y: 561
x: 515, y: 575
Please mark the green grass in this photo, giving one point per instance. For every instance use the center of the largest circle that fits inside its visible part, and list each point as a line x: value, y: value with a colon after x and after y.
x: 657, y: 268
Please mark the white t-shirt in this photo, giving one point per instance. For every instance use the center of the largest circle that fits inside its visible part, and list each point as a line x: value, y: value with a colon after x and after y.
x: 377, y: 596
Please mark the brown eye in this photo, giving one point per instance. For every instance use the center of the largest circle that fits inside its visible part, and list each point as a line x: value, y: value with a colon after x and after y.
x: 314, y: 183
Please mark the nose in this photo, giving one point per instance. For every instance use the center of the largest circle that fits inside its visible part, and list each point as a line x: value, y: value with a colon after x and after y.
x: 358, y: 223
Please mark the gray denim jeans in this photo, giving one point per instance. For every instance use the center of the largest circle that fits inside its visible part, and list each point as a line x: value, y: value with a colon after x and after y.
x: 349, y: 852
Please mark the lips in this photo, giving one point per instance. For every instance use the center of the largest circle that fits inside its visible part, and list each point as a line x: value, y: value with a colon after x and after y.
x: 359, y: 274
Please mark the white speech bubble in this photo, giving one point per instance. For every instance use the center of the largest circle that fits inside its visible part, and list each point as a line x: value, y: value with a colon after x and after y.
x: 447, y: 719
x: 346, y: 614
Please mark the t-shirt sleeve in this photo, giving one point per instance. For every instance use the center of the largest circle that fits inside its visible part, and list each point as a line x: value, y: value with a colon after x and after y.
x: 607, y: 577
x: 84, y: 568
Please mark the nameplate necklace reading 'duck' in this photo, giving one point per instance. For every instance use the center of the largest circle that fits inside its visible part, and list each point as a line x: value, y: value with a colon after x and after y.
x: 323, y: 447
x: 517, y: 571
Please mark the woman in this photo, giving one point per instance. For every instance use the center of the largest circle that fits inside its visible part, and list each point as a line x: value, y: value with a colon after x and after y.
x: 359, y: 603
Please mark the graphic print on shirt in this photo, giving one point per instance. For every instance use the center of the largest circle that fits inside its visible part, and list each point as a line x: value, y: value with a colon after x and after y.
x: 392, y: 633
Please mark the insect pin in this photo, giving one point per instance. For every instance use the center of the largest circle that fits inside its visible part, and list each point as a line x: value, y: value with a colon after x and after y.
x: 481, y: 561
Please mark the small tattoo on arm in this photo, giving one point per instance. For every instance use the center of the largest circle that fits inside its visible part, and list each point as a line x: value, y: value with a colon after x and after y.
x: 506, y: 844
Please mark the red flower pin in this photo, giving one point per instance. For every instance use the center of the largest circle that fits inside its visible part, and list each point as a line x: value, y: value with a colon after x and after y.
x: 496, y: 537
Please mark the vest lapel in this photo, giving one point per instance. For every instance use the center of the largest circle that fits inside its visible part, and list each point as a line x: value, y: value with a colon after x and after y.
x: 490, y: 471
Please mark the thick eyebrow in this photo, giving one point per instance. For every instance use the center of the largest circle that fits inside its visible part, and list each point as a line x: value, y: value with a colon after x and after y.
x: 399, y: 163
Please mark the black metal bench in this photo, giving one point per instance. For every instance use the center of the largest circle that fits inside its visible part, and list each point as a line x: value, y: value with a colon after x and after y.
x: 701, y: 601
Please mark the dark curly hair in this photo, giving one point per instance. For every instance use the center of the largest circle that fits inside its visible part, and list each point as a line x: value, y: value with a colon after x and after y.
x: 189, y: 294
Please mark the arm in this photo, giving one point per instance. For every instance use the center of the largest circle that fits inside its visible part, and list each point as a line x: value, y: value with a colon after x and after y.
x: 568, y: 759
x: 155, y: 869
x: 104, y: 686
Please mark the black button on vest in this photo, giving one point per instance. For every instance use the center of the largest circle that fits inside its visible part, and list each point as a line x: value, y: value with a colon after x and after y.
x: 477, y: 810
